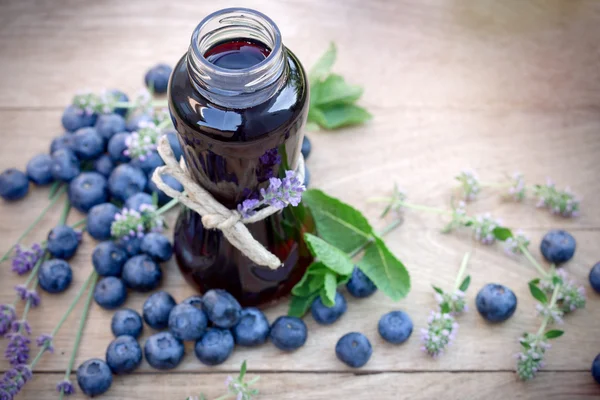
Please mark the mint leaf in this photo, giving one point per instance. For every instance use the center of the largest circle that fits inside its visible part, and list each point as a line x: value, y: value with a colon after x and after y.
x: 316, y: 283
x: 337, y: 223
x: 437, y: 289
x: 326, y: 300
x: 338, y: 116
x: 553, y: 334
x: 502, y: 234
x: 445, y: 308
x: 334, y: 91
x: 330, y: 287
x: 312, y: 281
x: 332, y: 257
x: 385, y: 270
x: 300, y: 305
x: 323, y: 65
x: 465, y: 284
x: 537, y: 293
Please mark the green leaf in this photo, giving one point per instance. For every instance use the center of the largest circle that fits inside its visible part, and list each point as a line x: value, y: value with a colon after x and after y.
x: 465, y: 284
x: 385, y: 270
x: 501, y: 233
x: 534, y: 281
x: 337, y: 223
x: 315, y: 284
x: 308, y: 285
x: 557, y: 280
x: 553, y: 334
x: 445, y: 308
x: 437, y: 289
x: 317, y: 268
x: 330, y: 286
x: 326, y: 300
x: 537, y: 293
x: 300, y: 305
x: 323, y: 65
x: 338, y: 116
x: 332, y: 257
x: 334, y: 91
x: 242, y: 371
x: 525, y: 345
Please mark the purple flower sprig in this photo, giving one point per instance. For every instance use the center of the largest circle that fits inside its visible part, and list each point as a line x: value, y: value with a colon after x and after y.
x: 237, y: 387
x: 26, y: 258
x: 441, y: 324
x: 560, y: 202
x: 469, y: 184
x: 279, y: 194
x: 17, y: 350
x: 129, y: 224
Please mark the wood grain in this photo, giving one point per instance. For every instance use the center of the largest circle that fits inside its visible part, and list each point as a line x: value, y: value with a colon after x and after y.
x: 493, y: 86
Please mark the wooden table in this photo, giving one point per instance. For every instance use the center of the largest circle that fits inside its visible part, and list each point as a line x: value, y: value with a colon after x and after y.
x: 452, y: 84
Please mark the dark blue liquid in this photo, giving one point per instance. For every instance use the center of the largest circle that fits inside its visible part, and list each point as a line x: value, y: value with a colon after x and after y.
x: 237, y: 54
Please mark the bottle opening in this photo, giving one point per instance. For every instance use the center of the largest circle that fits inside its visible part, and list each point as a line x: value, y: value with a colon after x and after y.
x: 237, y: 54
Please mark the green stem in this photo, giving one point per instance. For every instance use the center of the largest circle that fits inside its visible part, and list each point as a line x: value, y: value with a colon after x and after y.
x: 65, y: 212
x: 552, y: 304
x: 408, y: 205
x: 167, y: 206
x: 26, y: 309
x: 53, y: 189
x: 461, y: 271
x: 82, y: 321
x: 74, y: 302
x: 79, y: 223
x: 390, y: 227
x: 34, y: 223
x: 532, y: 260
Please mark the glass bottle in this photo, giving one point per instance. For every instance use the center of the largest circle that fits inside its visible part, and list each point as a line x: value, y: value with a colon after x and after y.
x: 238, y: 100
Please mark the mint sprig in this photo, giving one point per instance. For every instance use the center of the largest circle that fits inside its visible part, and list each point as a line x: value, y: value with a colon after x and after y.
x: 332, y: 100
x: 343, y: 233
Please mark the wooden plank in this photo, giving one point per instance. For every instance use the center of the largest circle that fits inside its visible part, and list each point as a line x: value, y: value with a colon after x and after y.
x: 311, y: 386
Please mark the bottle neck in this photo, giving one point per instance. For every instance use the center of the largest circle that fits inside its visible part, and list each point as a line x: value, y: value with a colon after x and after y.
x: 236, y: 88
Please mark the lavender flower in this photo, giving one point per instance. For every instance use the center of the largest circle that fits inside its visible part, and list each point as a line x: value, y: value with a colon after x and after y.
x: 470, y: 184
x: 517, y: 189
x: 483, y: 227
x: 454, y: 302
x: 248, y: 207
x: 130, y: 223
x: 21, y: 325
x: 26, y: 258
x: 65, y: 387
x: 7, y: 317
x: 530, y: 361
x: 441, y: 331
x: 17, y: 350
x: 45, y: 340
x: 513, y: 245
x: 28, y: 295
x: 13, y: 381
x: 564, y: 203
x: 143, y: 143
x: 571, y: 295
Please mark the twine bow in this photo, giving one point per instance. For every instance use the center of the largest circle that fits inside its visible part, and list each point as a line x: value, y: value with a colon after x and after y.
x: 214, y: 214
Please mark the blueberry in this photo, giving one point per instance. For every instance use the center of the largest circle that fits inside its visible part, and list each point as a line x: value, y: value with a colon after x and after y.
x: 123, y: 355
x: 157, y: 246
x: 120, y: 97
x: 395, y: 327
x: 104, y: 165
x: 215, y: 346
x: 163, y: 198
x: 88, y: 144
x: 55, y: 276
x: 595, y: 277
x: 157, y: 78
x: 74, y: 118
x: 157, y: 308
x: 328, y: 315
x: 94, y: 377
x: 306, y: 176
x: 108, y: 259
x: 596, y: 368
x: 195, y: 301
x: 131, y: 245
x: 175, y: 145
x: 100, y: 218
x: 126, y: 322
x: 65, y: 165
x: 14, y: 184
x: 163, y: 351
x: 62, y: 142
x: 288, y: 333
x: 110, y: 293
x: 360, y: 285
x: 186, y: 322
x: 253, y: 328
x: 222, y: 309
x: 135, y: 122
x: 39, y: 169
x: 116, y: 147
x: 141, y: 273
x: 558, y: 246
x: 496, y: 303
x: 63, y: 241
x: 109, y: 124
x: 135, y: 201
x: 125, y: 181
x: 148, y: 163
x: 306, y: 147
x: 88, y: 190
x: 353, y: 349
